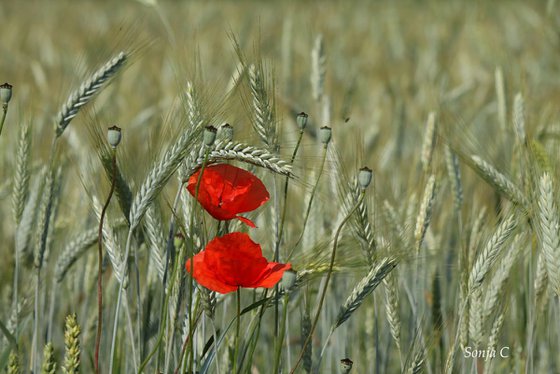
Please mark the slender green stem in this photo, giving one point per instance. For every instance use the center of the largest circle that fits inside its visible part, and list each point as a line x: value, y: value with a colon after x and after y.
x: 175, y: 270
x: 281, y: 229
x: 308, y: 210
x: 191, y: 284
x: 100, y: 265
x: 4, y: 113
x: 329, y: 273
x: 284, y: 208
x: 280, y: 340
x: 237, y: 328
x: 253, y: 341
x: 119, y: 300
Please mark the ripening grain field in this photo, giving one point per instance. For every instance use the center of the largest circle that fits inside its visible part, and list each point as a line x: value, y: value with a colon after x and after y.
x: 395, y: 163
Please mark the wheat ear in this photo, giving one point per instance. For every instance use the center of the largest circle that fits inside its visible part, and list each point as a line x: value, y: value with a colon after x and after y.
x: 160, y: 174
x: 87, y: 90
x: 490, y: 252
x: 499, y: 181
x: 362, y: 290
x: 72, y: 343
x: 21, y: 176
x: 49, y: 363
x: 548, y: 230
x: 425, y: 212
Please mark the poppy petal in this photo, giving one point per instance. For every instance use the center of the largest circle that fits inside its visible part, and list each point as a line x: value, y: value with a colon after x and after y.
x: 234, y: 260
x: 272, y: 275
x: 225, y: 191
x: 206, y: 277
x: 246, y: 221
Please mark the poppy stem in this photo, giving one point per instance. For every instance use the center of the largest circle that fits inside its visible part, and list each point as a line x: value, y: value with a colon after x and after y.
x: 281, y: 229
x: 237, y: 328
x: 191, y: 280
x: 329, y: 273
x: 308, y: 211
x: 100, y: 264
x: 174, y: 270
x: 280, y: 340
x: 282, y: 220
x: 4, y: 113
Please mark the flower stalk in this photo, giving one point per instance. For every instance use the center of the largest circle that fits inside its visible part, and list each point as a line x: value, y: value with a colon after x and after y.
x: 114, y: 138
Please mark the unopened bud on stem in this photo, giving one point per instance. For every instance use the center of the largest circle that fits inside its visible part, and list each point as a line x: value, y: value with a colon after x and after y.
x: 114, y: 136
x: 365, y: 176
x: 5, y: 93
x: 302, y: 120
x: 325, y: 135
x: 226, y: 131
x: 209, y: 135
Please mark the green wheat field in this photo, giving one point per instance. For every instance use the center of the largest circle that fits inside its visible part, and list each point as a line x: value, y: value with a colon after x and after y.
x: 446, y: 261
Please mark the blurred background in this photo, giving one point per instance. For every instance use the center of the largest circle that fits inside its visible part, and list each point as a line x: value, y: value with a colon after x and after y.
x: 382, y: 68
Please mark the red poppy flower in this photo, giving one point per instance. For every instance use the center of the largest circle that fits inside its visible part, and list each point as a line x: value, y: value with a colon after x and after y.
x: 226, y: 190
x: 233, y: 261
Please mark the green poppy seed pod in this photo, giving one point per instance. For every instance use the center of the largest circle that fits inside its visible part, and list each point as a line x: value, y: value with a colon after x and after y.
x: 346, y: 365
x: 227, y: 132
x: 114, y: 136
x: 210, y: 135
x: 178, y: 240
x: 5, y: 93
x: 288, y: 280
x: 302, y: 120
x: 365, y: 176
x: 325, y: 134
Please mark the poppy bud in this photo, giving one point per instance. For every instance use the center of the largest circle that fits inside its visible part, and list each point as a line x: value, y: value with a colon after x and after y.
x: 114, y: 136
x: 209, y: 135
x: 365, y: 176
x: 288, y: 280
x: 302, y: 120
x: 178, y: 240
x: 5, y: 93
x: 346, y: 365
x: 325, y: 134
x: 226, y: 131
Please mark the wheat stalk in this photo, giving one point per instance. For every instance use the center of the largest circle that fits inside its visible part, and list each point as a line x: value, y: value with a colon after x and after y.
x: 392, y: 307
x: 519, y: 118
x: 425, y: 212
x: 499, y: 181
x: 13, y: 363
x: 454, y: 174
x: 20, y: 188
x: 318, y: 68
x: 29, y: 216
x: 500, y: 277
x: 73, y: 251
x: 72, y: 343
x: 541, y: 279
x: 242, y: 152
x: 548, y: 230
x: 475, y: 317
x: 112, y: 246
x: 43, y: 222
x: 87, y: 90
x: 490, y: 252
x: 160, y: 174
x: 362, y: 225
x: 263, y: 110
x: 501, y: 97
x: 364, y: 288
x: 157, y: 241
x: 49, y: 363
x: 429, y: 142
